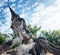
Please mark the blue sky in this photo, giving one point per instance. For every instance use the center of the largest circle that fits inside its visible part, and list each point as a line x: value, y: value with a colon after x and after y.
x: 45, y: 13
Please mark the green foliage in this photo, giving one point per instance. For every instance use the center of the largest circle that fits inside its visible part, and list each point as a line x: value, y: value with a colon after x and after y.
x: 2, y: 39
x: 34, y: 29
x: 52, y: 36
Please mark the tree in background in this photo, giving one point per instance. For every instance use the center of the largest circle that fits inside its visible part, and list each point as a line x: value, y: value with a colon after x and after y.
x: 2, y: 39
x: 52, y: 36
x: 34, y: 29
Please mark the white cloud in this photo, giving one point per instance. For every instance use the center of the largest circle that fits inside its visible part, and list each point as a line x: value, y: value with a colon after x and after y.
x: 12, y: 0
x: 36, y: 16
x: 4, y: 0
x: 13, y: 5
x: 6, y: 10
x: 0, y: 4
x: 19, y: 5
x: 57, y: 2
x: 27, y: 2
x: 7, y: 14
x: 47, y: 17
x: 5, y: 28
x: 35, y: 4
x: 20, y: 1
x: 52, y: 23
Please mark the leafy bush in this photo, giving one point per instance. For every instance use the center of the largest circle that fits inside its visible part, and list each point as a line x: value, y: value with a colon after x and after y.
x: 52, y: 36
x: 2, y: 39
